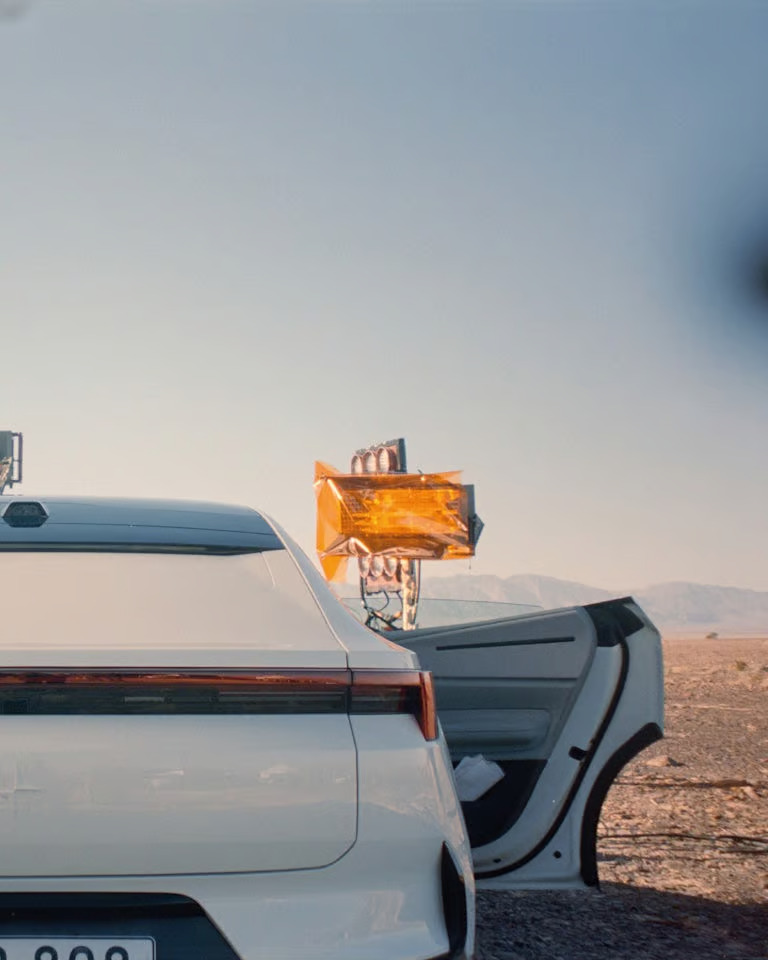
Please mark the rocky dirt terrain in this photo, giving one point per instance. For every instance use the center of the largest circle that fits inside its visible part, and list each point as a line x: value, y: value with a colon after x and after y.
x: 683, y: 844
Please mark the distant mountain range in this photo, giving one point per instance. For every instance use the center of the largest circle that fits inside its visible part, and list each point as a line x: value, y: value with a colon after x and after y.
x: 691, y: 608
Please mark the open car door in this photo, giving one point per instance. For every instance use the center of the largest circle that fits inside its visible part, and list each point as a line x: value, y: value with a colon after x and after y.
x: 560, y: 700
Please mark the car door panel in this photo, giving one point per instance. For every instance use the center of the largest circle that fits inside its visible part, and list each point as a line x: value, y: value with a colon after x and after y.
x: 540, y: 694
x: 503, y: 731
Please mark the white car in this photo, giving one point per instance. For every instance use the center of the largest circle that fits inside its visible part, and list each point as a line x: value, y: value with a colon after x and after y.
x: 204, y: 755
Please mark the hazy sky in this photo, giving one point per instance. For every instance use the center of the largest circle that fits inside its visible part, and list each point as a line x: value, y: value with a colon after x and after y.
x: 238, y: 236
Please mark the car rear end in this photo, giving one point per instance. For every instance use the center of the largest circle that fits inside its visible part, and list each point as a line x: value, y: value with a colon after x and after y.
x: 203, y: 755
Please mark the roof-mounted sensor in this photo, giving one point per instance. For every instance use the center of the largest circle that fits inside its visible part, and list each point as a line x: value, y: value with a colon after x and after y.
x: 25, y: 513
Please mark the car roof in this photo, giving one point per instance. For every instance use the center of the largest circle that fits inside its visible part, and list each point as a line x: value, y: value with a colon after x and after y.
x: 107, y: 521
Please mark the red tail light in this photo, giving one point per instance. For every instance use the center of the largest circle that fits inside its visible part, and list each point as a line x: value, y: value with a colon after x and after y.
x: 402, y: 691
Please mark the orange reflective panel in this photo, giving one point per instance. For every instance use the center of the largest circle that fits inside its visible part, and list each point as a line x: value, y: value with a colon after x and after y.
x: 408, y: 515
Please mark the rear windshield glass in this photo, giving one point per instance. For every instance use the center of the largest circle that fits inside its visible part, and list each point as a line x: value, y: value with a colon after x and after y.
x: 148, y: 600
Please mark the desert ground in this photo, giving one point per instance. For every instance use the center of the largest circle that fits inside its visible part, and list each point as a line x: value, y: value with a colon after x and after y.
x: 683, y: 850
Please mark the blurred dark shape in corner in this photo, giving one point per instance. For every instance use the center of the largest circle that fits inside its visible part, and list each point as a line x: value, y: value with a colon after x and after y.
x: 749, y: 275
x: 738, y: 274
x: 725, y: 291
x: 759, y: 279
x: 11, y: 10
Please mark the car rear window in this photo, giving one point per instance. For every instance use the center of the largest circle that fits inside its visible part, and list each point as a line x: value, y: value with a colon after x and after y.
x: 144, y: 600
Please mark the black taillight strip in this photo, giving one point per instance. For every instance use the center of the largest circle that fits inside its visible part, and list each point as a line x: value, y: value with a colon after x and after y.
x: 114, y: 691
x: 119, y: 691
x: 187, y: 677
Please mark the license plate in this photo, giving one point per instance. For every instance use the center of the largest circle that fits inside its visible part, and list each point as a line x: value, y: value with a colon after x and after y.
x: 77, y: 948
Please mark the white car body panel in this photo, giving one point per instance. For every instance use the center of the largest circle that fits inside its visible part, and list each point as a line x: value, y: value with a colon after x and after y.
x: 122, y: 795
x: 380, y: 901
